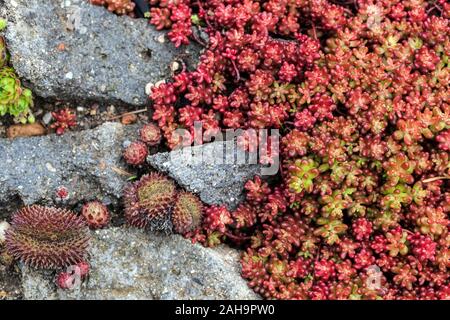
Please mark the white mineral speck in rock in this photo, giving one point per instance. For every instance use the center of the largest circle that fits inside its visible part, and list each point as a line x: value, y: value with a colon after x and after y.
x: 69, y: 75
x: 148, y: 88
x: 161, y: 39
x: 174, y: 66
x: 49, y: 167
x: 3, y: 227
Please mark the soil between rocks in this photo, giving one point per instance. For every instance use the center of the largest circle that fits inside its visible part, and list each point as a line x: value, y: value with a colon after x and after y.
x: 10, y: 283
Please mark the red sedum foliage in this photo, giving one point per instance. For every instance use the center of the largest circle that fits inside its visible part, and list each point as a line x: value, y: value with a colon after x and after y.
x: 359, y: 90
x: 64, y: 119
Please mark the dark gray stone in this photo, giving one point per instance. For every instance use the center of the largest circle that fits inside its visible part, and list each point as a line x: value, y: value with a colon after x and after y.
x: 129, y: 264
x: 107, y: 58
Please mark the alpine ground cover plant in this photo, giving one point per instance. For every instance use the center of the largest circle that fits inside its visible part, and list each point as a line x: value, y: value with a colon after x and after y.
x: 15, y: 100
x: 360, y: 92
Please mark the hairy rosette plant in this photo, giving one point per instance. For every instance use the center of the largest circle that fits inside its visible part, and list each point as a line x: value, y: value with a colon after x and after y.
x: 96, y: 214
x: 187, y: 213
x: 148, y: 202
x: 48, y: 238
x: 136, y: 153
x: 150, y: 134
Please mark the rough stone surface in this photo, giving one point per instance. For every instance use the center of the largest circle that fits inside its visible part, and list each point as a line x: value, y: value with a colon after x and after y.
x: 73, y: 50
x: 87, y: 163
x: 130, y: 264
x: 212, y: 170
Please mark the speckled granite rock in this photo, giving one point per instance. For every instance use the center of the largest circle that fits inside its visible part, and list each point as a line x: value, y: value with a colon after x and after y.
x: 72, y: 50
x: 87, y: 163
x: 130, y: 264
x: 208, y: 171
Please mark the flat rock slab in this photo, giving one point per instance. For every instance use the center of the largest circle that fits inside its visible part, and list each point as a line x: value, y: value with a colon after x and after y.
x: 129, y: 264
x: 87, y: 163
x: 72, y: 50
x: 212, y: 170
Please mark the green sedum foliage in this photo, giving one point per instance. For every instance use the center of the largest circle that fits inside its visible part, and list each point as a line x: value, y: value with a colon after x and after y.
x: 14, y: 99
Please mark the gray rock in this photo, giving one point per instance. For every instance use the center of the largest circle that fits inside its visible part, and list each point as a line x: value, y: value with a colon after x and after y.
x: 107, y: 58
x: 37, y: 284
x: 212, y: 170
x: 87, y: 163
x: 129, y: 264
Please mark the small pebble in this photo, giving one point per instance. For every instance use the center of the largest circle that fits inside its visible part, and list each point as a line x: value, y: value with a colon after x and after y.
x: 49, y: 167
x: 111, y: 109
x: 47, y: 118
x: 174, y: 66
x: 3, y: 227
x: 148, y: 88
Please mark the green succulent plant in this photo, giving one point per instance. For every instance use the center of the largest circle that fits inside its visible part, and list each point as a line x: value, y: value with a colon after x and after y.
x: 14, y: 99
x: 3, y: 24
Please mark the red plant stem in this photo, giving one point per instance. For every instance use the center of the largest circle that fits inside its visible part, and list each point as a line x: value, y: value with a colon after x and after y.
x: 198, y: 40
x: 236, y: 238
x: 435, y: 179
x: 238, y: 76
x: 206, y: 14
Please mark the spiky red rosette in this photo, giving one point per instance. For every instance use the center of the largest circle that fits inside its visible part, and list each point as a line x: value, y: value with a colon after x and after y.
x: 149, y: 201
x: 135, y: 153
x: 150, y: 134
x: 96, y: 214
x: 48, y: 238
x: 187, y: 213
